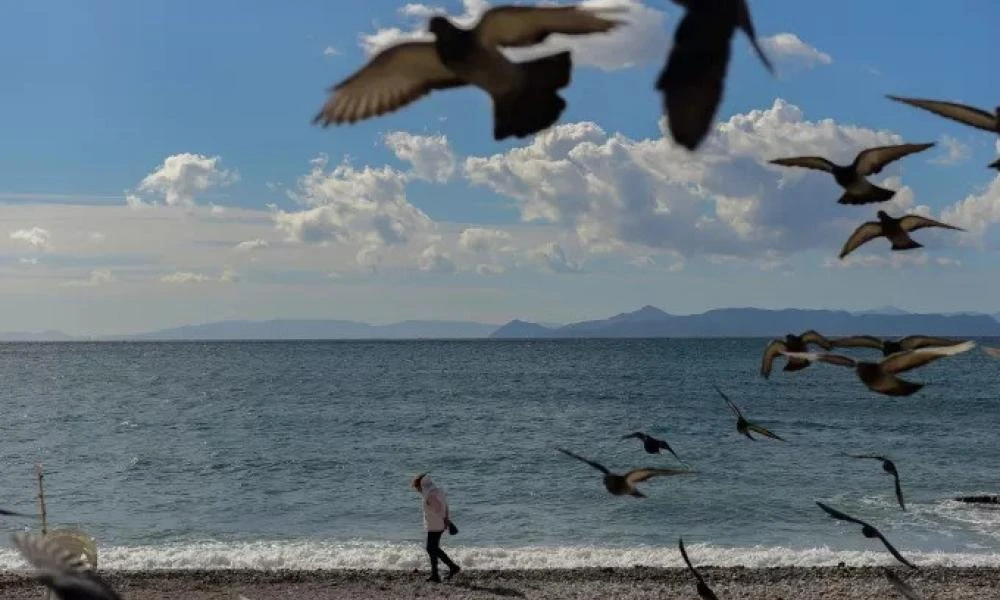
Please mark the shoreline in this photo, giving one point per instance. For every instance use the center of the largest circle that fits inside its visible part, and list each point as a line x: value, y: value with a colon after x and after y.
x: 830, y: 583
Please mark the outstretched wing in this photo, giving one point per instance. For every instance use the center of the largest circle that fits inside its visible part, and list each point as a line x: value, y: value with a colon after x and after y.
x: 396, y: 77
x: 597, y: 466
x: 914, y: 222
x: 764, y: 432
x: 814, y: 337
x: 638, y: 434
x: 732, y: 407
x: 639, y: 475
x: 833, y: 359
x: 836, y: 514
x: 868, y: 231
x: 872, y: 160
x: 892, y: 550
x: 687, y: 561
x: 857, y: 341
x: 899, y: 491
x: 956, y: 112
x: 518, y: 26
x: 872, y: 456
x: 901, y: 586
x: 913, y: 342
x: 10, y: 513
x: 809, y: 162
x: 745, y: 22
x: 900, y: 362
x: 773, y: 350
x: 664, y: 445
x: 66, y: 574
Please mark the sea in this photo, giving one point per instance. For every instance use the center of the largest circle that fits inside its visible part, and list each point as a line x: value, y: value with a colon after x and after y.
x: 299, y: 455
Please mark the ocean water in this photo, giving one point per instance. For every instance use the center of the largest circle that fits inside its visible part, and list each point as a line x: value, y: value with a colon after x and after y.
x: 299, y: 455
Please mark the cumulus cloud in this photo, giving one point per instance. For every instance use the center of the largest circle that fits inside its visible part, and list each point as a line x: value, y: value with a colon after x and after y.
x: 251, y: 245
x: 788, y: 46
x: 435, y: 260
x: 613, y: 191
x: 552, y: 256
x: 955, y: 152
x: 483, y: 240
x: 977, y: 211
x: 98, y: 277
x: 181, y: 178
x: 36, y: 237
x: 643, y: 38
x: 96, y: 237
x: 430, y: 156
x: 194, y: 277
x: 330, y: 51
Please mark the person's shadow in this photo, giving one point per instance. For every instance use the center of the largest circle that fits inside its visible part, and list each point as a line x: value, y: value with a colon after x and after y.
x: 496, y: 591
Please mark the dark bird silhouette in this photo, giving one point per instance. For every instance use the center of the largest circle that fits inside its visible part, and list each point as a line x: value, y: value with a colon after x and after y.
x: 910, y: 342
x: 868, y: 531
x: 693, y: 79
x: 650, y: 444
x: 704, y: 591
x: 896, y: 230
x: 791, y: 343
x: 620, y: 485
x: 852, y: 177
x: 962, y: 113
x: 66, y: 575
x: 979, y: 499
x: 890, y: 469
x: 881, y: 376
x: 9, y: 513
x: 901, y: 586
x: 742, y: 424
x: 525, y: 95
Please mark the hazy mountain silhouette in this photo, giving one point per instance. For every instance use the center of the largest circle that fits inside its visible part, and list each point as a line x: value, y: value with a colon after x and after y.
x: 319, y: 329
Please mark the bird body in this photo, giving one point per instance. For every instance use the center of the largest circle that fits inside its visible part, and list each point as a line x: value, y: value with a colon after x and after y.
x: 853, y: 177
x: 881, y: 376
x: 650, y: 444
x: 622, y: 485
x: 896, y: 230
x: 791, y: 343
x: 743, y: 425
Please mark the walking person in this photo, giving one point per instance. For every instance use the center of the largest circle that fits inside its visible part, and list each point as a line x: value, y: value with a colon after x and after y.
x: 435, y: 522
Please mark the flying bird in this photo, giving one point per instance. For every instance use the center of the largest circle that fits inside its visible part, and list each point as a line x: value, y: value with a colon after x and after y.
x: 525, y: 95
x: 9, y: 513
x: 962, y: 113
x: 620, y: 485
x: 852, y: 177
x: 910, y: 342
x: 742, y: 425
x: 791, y: 343
x: 868, y: 531
x: 901, y: 586
x: 890, y: 469
x: 881, y: 376
x: 704, y: 591
x: 896, y: 230
x: 693, y: 79
x: 66, y: 575
x: 650, y: 444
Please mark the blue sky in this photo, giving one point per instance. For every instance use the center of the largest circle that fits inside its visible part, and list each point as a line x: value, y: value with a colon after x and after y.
x: 100, y: 95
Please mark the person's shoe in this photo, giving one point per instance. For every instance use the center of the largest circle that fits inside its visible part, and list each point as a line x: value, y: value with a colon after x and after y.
x: 453, y: 571
x: 435, y: 578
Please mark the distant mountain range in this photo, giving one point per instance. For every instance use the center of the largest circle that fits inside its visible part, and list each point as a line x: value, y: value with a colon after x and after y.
x: 648, y: 321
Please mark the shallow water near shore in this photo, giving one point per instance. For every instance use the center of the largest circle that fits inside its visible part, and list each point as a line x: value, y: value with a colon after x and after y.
x: 299, y: 454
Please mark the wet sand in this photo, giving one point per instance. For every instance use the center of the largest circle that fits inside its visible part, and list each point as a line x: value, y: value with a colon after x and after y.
x: 828, y: 583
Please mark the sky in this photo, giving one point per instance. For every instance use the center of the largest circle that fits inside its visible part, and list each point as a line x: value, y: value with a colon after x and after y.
x: 158, y: 167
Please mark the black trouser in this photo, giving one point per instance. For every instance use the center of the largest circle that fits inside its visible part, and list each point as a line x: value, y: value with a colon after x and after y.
x: 435, y: 551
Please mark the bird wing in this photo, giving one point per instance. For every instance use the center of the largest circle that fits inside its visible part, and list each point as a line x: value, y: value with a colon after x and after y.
x: 773, y: 350
x: 732, y: 407
x: 684, y: 555
x: 814, y: 337
x: 912, y: 342
x: 518, y: 26
x: 857, y: 341
x: 892, y: 550
x: 832, y: 359
x: 638, y: 475
x: 836, y: 514
x: 862, y: 235
x: 994, y: 352
x: 872, y: 160
x: 954, y: 111
x: 899, y: 491
x: 901, y: 586
x: 638, y: 434
x: 914, y: 222
x: 900, y: 362
x: 597, y: 466
x: 63, y: 571
x: 809, y: 162
x: 663, y: 444
x: 994, y: 165
x: 745, y: 22
x: 764, y: 432
x: 392, y: 79
x: 873, y: 456
x: 11, y: 513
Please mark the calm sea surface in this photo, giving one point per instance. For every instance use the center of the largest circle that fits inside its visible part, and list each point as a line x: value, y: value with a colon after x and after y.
x: 273, y: 454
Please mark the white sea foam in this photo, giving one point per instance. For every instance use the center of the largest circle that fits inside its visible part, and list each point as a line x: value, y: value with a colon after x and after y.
x: 371, y: 555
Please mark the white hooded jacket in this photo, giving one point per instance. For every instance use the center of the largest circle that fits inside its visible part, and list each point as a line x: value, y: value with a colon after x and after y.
x: 435, y: 505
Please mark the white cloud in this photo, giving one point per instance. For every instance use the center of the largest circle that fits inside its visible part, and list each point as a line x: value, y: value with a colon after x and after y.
x: 788, y: 46
x: 955, y: 152
x: 36, y: 237
x: 430, y: 156
x: 98, y: 277
x: 96, y: 237
x: 34, y: 260
x: 554, y: 257
x: 483, y: 240
x: 251, y: 245
x: 229, y: 276
x: 490, y: 269
x: 181, y: 178
x: 895, y: 260
x: 185, y: 277
x: 642, y: 39
x: 435, y: 260
x: 977, y: 211
x: 330, y: 51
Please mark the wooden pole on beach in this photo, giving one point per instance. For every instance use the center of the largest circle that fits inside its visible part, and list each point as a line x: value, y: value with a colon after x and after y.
x: 41, y: 504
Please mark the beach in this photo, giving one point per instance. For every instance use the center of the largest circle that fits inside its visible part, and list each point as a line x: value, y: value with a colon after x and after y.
x: 778, y: 583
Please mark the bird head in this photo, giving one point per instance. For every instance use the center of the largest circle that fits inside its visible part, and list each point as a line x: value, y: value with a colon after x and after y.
x: 440, y: 26
x: 882, y: 215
